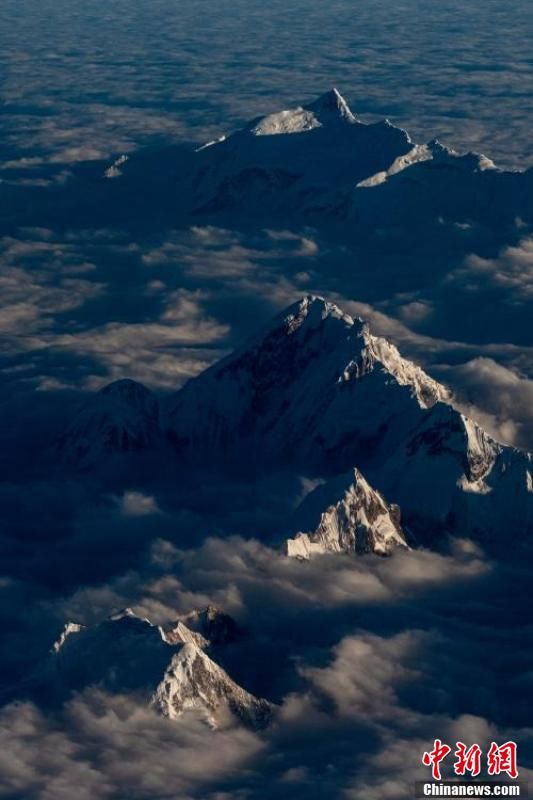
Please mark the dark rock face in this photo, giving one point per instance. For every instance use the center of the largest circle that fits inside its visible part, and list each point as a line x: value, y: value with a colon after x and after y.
x: 121, y: 418
x: 347, y: 515
x: 128, y: 653
x: 219, y: 628
x: 317, y: 393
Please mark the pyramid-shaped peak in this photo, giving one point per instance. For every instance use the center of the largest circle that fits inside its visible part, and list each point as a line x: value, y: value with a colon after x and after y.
x: 127, y: 389
x: 346, y: 514
x: 332, y: 101
x: 316, y: 307
x: 309, y: 317
x: 313, y: 311
x: 193, y: 681
x: 123, y: 417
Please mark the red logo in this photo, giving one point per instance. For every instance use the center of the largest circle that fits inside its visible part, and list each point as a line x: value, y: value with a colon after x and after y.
x: 433, y: 758
x: 500, y: 759
x: 467, y: 761
x: 503, y: 759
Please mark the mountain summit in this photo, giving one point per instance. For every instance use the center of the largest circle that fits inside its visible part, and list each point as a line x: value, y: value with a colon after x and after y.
x: 312, y: 387
x: 127, y: 653
x: 347, y: 515
x: 297, y: 160
x: 319, y: 161
x: 332, y: 102
x: 326, y: 110
x: 123, y: 417
x: 318, y: 392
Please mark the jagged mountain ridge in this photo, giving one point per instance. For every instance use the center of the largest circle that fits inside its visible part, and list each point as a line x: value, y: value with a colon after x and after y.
x: 322, y: 161
x: 317, y: 393
x: 127, y: 653
x: 347, y: 515
x: 299, y: 158
x: 288, y: 395
x: 211, y: 626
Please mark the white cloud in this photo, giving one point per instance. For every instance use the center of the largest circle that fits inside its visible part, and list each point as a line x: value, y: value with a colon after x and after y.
x: 137, y: 504
x: 110, y: 747
x: 511, y: 271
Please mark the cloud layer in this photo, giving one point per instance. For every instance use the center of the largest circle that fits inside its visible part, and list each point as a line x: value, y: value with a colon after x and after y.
x: 368, y: 660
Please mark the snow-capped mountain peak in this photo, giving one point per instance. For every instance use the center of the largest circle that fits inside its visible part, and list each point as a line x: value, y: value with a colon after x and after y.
x: 192, y: 681
x: 128, y: 652
x: 327, y: 109
x: 347, y: 515
x: 332, y: 102
x: 318, y: 160
x: 301, y: 386
x: 313, y: 317
x: 296, y: 160
x: 316, y: 391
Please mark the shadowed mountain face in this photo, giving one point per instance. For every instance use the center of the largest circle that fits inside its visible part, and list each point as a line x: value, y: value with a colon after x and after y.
x: 365, y: 530
x: 320, y: 162
x: 127, y: 653
x: 123, y: 417
x: 346, y: 515
x: 129, y: 252
x: 318, y: 393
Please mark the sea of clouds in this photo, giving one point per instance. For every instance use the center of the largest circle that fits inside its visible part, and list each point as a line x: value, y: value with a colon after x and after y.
x: 367, y: 660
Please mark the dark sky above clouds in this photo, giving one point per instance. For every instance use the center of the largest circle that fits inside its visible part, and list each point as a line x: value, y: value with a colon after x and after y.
x: 90, y: 293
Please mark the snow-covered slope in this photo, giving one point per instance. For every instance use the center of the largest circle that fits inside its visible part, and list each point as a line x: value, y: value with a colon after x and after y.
x: 179, y: 633
x: 347, y: 515
x: 435, y: 182
x: 453, y: 475
x: 123, y: 417
x: 321, y: 161
x: 126, y: 652
x: 192, y: 681
x: 300, y: 159
x: 318, y: 392
x: 315, y: 388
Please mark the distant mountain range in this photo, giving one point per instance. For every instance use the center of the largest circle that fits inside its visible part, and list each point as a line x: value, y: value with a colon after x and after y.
x: 321, y: 161
x: 317, y: 393
x: 170, y: 666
